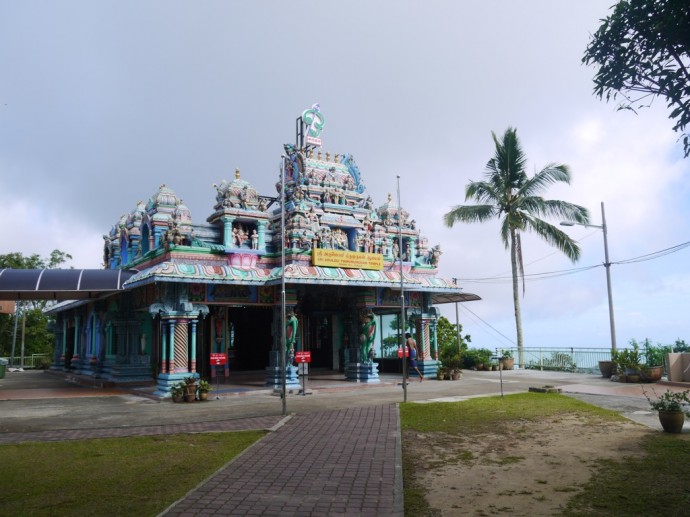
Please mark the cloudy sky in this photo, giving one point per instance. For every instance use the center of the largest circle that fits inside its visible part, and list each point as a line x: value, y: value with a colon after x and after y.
x: 101, y: 102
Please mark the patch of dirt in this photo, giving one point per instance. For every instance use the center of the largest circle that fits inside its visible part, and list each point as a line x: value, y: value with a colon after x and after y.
x: 532, y: 469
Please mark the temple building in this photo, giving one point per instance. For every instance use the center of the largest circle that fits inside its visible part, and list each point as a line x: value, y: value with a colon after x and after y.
x: 196, y: 291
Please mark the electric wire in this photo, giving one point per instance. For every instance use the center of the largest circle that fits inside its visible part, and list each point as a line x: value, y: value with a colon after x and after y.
x: 553, y: 274
x: 563, y: 272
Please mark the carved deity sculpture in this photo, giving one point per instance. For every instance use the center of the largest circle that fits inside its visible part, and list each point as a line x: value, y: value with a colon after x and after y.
x: 435, y: 255
x: 290, y: 334
x: 367, y: 337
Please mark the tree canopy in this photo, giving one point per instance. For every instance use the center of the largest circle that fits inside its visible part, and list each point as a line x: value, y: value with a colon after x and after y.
x: 643, y: 52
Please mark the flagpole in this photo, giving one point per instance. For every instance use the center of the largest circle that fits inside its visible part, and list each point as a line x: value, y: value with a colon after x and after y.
x: 403, y: 345
x: 283, y: 391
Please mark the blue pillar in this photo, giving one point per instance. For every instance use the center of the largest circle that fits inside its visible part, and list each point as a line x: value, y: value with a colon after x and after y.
x: 193, y: 345
x: 172, y: 344
x: 262, y: 234
x: 227, y: 230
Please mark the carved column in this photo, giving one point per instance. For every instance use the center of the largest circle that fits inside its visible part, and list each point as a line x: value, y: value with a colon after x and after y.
x: 227, y: 230
x: 422, y: 330
x: 180, y: 341
x: 171, y: 324
x: 192, y: 368
x: 75, y: 345
x: 165, y: 367
x: 134, y: 242
x: 63, y: 341
x: 434, y: 339
x: 261, y: 230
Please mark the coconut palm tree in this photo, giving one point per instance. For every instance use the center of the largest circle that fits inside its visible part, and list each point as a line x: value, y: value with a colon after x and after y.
x: 508, y: 194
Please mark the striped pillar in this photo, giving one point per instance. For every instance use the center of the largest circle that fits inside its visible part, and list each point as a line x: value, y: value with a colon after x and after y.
x: 180, y: 338
x: 192, y: 367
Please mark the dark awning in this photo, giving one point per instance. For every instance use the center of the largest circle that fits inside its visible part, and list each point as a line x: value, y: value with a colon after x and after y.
x: 60, y: 284
x: 439, y: 298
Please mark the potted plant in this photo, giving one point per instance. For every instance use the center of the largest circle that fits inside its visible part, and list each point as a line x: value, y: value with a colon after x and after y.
x: 507, y: 362
x: 672, y: 407
x: 441, y: 373
x: 453, y: 364
x: 654, y: 361
x: 190, y: 389
x: 177, y: 392
x: 203, y: 388
x: 628, y: 363
x: 607, y: 368
x: 451, y: 360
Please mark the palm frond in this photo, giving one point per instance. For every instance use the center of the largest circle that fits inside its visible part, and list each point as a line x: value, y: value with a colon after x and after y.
x: 469, y: 214
x: 555, y: 237
x: 551, y: 208
x: 481, y: 192
x: 550, y: 175
x: 505, y: 232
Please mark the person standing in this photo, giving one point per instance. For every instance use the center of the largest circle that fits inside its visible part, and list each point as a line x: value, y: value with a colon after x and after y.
x: 412, y: 355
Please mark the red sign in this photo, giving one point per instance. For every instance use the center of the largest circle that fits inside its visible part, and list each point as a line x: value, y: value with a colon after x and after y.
x: 303, y: 357
x: 218, y: 359
x: 407, y: 352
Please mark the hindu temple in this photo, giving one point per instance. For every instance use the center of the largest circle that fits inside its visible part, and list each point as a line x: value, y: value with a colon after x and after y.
x: 344, y: 269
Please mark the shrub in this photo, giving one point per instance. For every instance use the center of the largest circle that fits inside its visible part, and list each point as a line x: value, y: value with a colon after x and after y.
x: 42, y: 363
x: 559, y: 362
x: 473, y: 357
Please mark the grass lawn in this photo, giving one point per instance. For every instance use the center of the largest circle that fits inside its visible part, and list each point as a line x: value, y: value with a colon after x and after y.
x: 113, y: 476
x: 657, y: 484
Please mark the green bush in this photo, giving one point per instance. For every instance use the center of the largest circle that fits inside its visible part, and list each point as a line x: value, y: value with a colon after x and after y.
x: 473, y: 357
x: 680, y: 346
x: 654, y: 354
x: 559, y: 362
x: 43, y: 363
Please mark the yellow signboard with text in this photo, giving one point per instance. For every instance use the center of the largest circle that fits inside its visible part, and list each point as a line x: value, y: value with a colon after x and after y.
x: 346, y: 259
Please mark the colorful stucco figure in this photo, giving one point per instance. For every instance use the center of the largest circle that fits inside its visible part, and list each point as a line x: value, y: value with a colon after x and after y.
x: 290, y: 333
x: 367, y: 337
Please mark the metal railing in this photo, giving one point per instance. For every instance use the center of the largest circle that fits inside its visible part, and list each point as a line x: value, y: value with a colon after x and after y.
x: 30, y: 361
x: 580, y: 360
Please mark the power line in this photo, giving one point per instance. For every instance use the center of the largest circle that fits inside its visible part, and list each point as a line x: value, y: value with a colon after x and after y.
x: 562, y: 272
x: 473, y: 315
x: 654, y: 255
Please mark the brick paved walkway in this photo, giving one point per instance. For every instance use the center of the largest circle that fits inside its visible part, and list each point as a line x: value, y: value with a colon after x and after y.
x: 344, y: 462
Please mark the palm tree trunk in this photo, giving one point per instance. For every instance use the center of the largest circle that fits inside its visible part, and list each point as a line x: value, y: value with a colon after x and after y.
x: 516, y: 297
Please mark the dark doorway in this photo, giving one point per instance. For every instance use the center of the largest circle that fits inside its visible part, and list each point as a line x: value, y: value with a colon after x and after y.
x: 320, y: 341
x: 69, y: 346
x: 250, y: 337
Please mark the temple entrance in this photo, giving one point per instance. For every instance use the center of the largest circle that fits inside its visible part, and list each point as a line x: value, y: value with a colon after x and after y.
x: 249, y: 337
x: 244, y: 333
x: 319, y: 340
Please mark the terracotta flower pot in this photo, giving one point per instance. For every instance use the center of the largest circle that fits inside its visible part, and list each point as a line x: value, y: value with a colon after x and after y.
x: 606, y: 368
x: 652, y: 373
x: 672, y: 421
